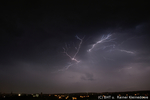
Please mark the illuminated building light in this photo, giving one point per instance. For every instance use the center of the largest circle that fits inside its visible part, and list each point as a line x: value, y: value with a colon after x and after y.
x: 81, y: 96
x: 59, y: 97
x: 62, y: 95
x: 74, y: 98
x: 37, y: 95
x: 67, y: 97
x: 19, y: 94
x: 87, y: 96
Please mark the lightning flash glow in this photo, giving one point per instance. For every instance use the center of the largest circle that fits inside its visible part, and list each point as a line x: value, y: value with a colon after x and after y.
x: 73, y: 58
x: 104, y: 38
x: 130, y: 52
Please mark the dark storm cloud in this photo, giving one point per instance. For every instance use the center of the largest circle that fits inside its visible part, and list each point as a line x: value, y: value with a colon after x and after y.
x: 87, y: 76
x: 33, y: 38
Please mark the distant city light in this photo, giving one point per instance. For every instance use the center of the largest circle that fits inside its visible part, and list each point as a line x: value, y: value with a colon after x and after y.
x: 59, y: 97
x: 74, y: 98
x: 87, y: 96
x: 35, y: 95
x: 19, y: 95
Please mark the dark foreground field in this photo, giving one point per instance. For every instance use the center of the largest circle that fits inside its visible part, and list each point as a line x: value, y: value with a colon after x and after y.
x: 132, y: 95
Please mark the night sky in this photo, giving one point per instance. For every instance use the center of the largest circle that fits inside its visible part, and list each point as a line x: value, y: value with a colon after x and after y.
x: 39, y: 40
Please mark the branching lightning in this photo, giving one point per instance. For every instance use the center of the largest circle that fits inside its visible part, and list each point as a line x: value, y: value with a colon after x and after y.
x: 130, y: 52
x: 66, y: 67
x: 102, y: 40
x: 78, y: 46
x: 74, y: 56
x: 104, y: 47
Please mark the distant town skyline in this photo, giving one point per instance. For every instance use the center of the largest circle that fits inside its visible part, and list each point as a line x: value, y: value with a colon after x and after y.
x: 73, y: 47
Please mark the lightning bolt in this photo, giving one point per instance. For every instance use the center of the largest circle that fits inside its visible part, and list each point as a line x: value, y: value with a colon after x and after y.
x: 104, y: 47
x: 65, y: 68
x: 126, y: 51
x: 78, y: 46
x: 102, y: 40
x: 74, y: 56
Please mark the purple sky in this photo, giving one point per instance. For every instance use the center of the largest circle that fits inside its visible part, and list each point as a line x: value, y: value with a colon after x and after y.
x: 33, y: 35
